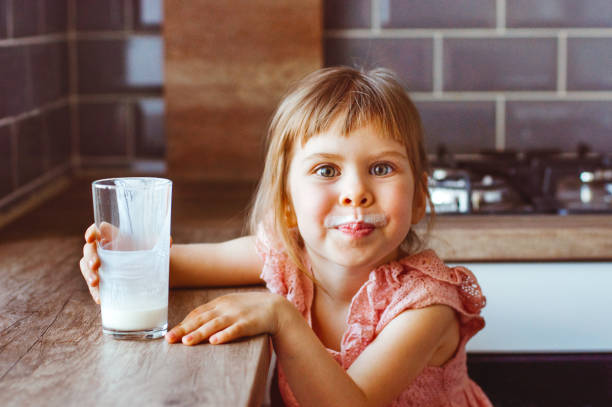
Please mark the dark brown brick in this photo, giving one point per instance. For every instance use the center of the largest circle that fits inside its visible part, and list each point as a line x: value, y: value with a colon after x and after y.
x: 26, y: 15
x: 559, y: 13
x: 56, y: 16
x: 339, y: 14
x: 14, y: 82
x: 30, y: 149
x: 58, y: 134
x: 120, y: 66
x: 96, y: 15
x: 6, y: 160
x: 103, y: 129
x: 589, y: 64
x: 410, y: 59
x: 49, y: 68
x: 500, y: 64
x: 559, y: 124
x: 437, y: 14
x: 3, y: 16
x: 463, y: 127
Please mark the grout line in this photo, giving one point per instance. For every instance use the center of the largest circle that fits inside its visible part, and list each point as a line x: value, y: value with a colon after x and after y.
x: 114, y: 97
x: 114, y: 35
x: 500, y: 122
x: 34, y: 112
x: 562, y: 63
x: 71, y: 36
x: 10, y: 28
x: 437, y: 64
x: 500, y: 16
x: 71, y: 15
x: 468, y: 33
x: 39, y: 39
x: 515, y: 95
x: 375, y: 17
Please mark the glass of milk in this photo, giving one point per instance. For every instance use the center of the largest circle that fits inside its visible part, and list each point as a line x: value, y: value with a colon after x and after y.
x: 133, y: 218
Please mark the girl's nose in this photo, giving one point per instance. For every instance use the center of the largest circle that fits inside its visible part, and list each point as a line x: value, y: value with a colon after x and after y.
x: 358, y: 197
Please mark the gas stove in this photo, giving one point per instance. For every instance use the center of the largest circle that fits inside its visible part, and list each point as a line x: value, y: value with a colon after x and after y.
x: 522, y: 182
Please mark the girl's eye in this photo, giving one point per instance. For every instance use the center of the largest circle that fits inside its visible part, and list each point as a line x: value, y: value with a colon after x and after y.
x: 326, y: 171
x: 381, y: 169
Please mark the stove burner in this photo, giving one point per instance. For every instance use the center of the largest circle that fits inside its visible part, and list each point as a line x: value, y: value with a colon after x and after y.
x: 522, y: 182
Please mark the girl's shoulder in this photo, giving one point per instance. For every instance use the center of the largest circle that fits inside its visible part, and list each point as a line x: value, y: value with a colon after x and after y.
x: 422, y: 280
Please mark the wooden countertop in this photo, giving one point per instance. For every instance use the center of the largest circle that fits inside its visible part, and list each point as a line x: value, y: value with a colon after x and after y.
x: 523, y: 238
x: 53, y: 352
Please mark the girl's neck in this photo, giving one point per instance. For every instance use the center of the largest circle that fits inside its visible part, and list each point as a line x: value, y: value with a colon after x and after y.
x: 340, y: 283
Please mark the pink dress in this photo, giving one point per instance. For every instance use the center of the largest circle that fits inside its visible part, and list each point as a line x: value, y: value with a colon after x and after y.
x: 415, y: 281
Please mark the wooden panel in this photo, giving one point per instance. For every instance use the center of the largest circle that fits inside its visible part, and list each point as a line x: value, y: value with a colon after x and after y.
x: 227, y: 64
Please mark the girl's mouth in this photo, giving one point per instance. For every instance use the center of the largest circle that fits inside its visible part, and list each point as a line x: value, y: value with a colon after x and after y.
x: 356, y: 229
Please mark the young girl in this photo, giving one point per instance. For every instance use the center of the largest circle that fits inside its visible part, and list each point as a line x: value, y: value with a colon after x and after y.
x: 358, y: 316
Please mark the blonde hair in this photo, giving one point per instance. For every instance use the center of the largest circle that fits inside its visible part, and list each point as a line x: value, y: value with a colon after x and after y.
x: 310, y: 107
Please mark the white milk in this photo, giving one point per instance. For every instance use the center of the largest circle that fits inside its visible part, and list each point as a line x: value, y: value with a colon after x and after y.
x: 133, y: 289
x: 134, y: 320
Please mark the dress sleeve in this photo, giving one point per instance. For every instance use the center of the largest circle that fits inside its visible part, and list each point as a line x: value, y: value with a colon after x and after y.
x: 279, y: 273
x: 425, y: 280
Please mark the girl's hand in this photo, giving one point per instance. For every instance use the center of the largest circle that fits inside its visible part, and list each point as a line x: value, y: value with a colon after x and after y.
x: 90, y: 262
x: 231, y: 317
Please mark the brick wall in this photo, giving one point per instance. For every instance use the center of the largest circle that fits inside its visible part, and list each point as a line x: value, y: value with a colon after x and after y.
x: 80, y: 87
x: 35, y: 143
x: 489, y: 74
x: 117, y: 58
x: 81, y: 80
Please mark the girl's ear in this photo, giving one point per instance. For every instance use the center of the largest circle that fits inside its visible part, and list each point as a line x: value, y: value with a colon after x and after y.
x: 419, y: 201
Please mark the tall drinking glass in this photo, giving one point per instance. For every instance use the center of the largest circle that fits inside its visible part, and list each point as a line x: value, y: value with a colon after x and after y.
x: 133, y: 218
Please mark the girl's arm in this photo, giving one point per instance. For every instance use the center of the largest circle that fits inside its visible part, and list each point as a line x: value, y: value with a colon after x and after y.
x: 230, y: 263
x: 410, y: 342
x: 382, y: 371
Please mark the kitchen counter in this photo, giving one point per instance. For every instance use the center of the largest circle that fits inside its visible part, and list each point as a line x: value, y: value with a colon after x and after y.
x: 523, y: 237
x: 53, y: 352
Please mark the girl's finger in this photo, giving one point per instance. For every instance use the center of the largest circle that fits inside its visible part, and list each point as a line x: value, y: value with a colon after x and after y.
x: 189, y: 324
x: 230, y: 333
x: 91, y: 234
x: 88, y: 275
x: 91, y: 255
x: 206, y: 330
x: 95, y: 294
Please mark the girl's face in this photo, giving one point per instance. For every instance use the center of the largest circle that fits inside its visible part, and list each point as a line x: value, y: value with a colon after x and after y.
x: 352, y: 197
